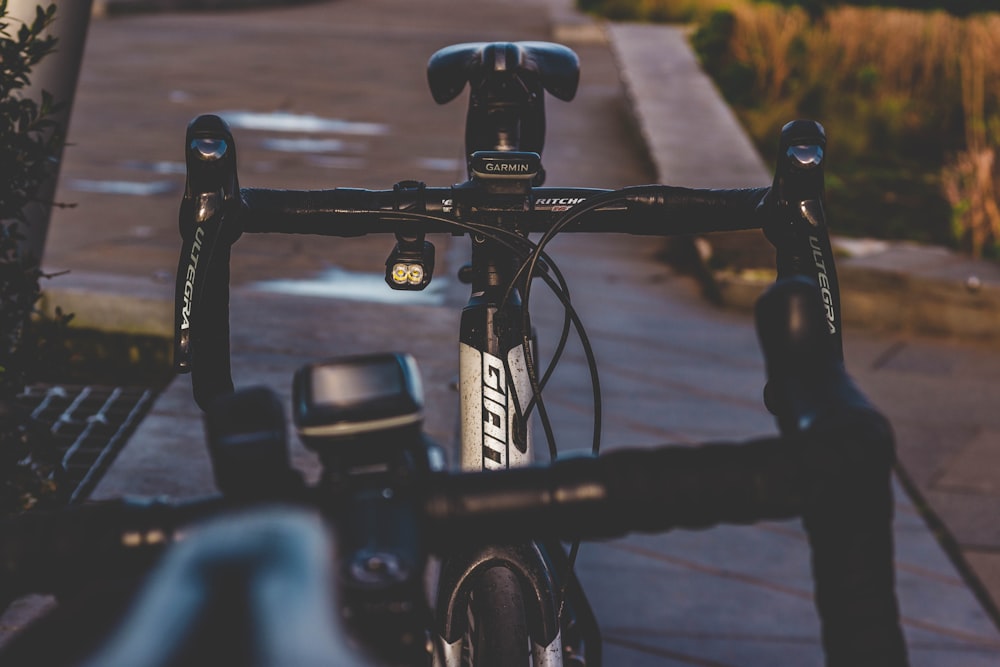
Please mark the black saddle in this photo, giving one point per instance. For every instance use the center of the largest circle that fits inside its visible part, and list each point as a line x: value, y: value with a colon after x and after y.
x: 507, y: 81
x: 556, y: 67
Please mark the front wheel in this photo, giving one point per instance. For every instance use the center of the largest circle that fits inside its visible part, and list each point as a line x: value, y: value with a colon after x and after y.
x: 497, y: 625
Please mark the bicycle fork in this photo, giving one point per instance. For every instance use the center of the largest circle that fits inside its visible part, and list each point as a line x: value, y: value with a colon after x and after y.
x: 529, y: 564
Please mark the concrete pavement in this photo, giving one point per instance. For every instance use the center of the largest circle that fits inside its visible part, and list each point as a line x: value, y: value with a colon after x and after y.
x: 674, y: 368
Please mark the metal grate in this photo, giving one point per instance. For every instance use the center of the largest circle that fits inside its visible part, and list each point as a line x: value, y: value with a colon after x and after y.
x: 90, y: 425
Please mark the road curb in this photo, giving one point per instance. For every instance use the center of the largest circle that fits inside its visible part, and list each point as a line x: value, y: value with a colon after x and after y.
x: 111, y: 303
x: 104, y: 8
x: 570, y: 26
x: 886, y: 300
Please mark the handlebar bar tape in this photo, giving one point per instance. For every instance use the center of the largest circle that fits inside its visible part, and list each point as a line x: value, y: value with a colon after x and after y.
x: 798, y: 229
x: 835, y: 476
x: 342, y: 212
x: 619, y: 492
x: 60, y: 551
x: 849, y: 458
x: 275, y: 604
x: 649, y: 210
x: 848, y: 520
x: 208, y: 227
x: 695, y: 211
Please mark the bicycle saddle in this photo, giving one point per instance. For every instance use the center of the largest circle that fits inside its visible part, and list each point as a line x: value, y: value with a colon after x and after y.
x: 556, y: 67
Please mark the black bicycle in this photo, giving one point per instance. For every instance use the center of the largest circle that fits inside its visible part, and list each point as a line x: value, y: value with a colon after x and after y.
x: 508, y: 595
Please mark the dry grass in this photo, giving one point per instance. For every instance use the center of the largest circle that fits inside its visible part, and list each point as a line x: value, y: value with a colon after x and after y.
x: 763, y: 40
x: 972, y: 179
x: 970, y: 183
x: 681, y: 11
x: 909, y: 52
x: 912, y: 52
x: 904, y: 73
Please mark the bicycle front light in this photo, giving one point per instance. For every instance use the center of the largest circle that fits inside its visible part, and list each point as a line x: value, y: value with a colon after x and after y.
x: 408, y: 273
x: 410, y: 264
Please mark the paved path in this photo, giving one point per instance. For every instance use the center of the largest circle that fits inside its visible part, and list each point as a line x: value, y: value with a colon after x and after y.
x: 940, y: 396
x: 674, y: 368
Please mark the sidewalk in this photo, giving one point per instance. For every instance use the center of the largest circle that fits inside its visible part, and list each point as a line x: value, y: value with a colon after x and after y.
x: 726, y: 596
x: 923, y: 322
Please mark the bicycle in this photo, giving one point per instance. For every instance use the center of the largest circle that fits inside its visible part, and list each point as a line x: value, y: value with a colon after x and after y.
x: 499, y: 206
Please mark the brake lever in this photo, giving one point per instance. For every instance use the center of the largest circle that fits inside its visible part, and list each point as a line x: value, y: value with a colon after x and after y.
x: 209, y: 226
x: 797, y: 226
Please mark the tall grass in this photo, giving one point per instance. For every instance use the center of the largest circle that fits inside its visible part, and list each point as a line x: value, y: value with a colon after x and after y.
x: 763, y: 41
x: 911, y: 102
x: 972, y: 179
x: 668, y: 11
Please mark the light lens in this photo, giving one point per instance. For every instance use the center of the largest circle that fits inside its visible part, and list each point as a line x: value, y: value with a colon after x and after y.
x: 403, y: 273
x: 209, y: 149
x: 807, y: 156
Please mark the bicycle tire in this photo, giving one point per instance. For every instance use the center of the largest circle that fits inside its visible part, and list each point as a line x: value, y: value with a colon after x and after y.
x: 498, y: 624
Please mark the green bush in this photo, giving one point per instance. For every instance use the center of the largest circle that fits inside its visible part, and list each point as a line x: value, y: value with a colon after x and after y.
x: 660, y: 11
x: 29, y: 140
x: 956, y: 7
x: 688, y: 10
x: 892, y: 89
